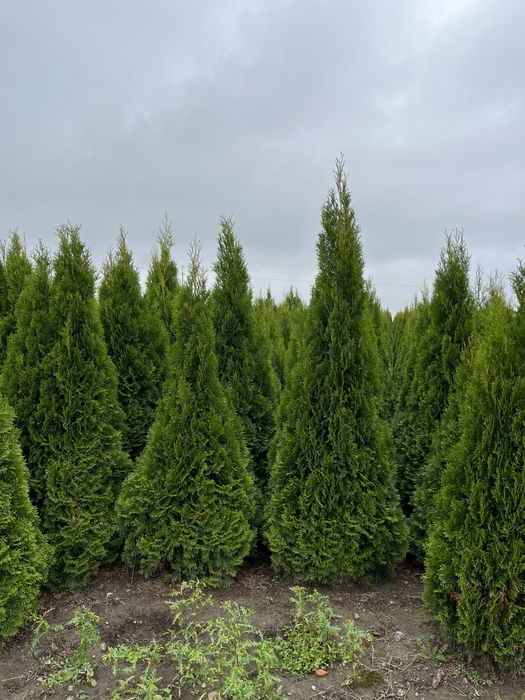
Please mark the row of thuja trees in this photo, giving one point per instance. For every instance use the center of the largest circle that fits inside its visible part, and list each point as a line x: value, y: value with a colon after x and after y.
x: 184, y: 427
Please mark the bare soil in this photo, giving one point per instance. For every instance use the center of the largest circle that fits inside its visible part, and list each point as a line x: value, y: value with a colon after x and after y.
x: 404, y: 660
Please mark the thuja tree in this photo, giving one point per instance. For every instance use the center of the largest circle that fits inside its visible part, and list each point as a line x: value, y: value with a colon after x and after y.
x: 278, y: 322
x: 291, y: 315
x: 137, y: 343
x: 3, y: 282
x: 266, y: 316
x: 22, y: 372
x: 475, y: 564
x: 162, y: 280
x: 406, y: 384
x: 382, y: 324
x: 80, y: 419
x: 439, y: 343
x: 334, y: 513
x: 16, y: 269
x: 189, y: 502
x: 428, y: 481
x: 243, y: 352
x: 451, y: 319
x: 396, y: 336
x: 24, y: 553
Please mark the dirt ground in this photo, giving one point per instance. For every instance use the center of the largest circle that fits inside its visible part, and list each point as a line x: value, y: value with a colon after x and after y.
x: 404, y: 660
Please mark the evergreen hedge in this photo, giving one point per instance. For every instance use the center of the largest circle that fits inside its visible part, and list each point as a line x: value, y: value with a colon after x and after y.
x: 81, y: 422
x: 189, y: 503
x: 16, y: 269
x: 334, y: 512
x: 137, y: 343
x: 162, y: 281
x: 475, y: 563
x: 24, y: 553
x: 22, y: 372
x: 243, y: 353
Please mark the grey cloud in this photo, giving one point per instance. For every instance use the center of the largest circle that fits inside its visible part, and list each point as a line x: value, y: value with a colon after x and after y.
x: 118, y: 111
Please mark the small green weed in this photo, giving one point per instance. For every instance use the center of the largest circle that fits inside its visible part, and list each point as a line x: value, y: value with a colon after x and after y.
x: 44, y: 629
x: 474, y: 678
x: 226, y: 654
x: 214, y: 652
x: 146, y: 684
x: 77, y: 668
x: 429, y: 650
x: 313, y: 639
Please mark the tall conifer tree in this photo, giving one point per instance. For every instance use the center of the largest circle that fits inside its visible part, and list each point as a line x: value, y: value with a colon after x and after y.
x: 398, y: 339
x: 22, y: 372
x: 279, y: 322
x: 267, y: 317
x: 24, y: 553
x: 334, y: 513
x: 17, y: 269
x: 81, y: 421
x: 382, y: 324
x: 137, y: 343
x: 475, y: 564
x: 291, y: 313
x: 162, y: 282
x: 3, y: 283
x: 189, y: 503
x: 441, y: 337
x: 404, y: 422
x: 243, y: 352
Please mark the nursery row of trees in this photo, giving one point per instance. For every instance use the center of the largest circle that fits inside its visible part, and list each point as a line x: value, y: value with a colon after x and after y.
x: 184, y: 427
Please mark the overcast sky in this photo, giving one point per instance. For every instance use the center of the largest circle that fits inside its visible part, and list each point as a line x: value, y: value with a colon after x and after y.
x: 113, y: 112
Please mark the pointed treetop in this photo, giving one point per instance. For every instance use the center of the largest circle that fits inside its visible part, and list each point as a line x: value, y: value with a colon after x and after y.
x: 165, y: 234
x: 41, y: 255
x: 230, y: 267
x: 73, y: 265
x: 17, y: 267
x: 123, y: 251
x: 518, y: 284
x: 162, y: 281
x: 196, y: 279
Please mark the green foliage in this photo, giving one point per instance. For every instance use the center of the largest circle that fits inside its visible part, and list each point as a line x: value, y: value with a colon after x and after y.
x: 24, y: 553
x: 78, y: 667
x: 226, y: 654
x: 313, y: 639
x: 137, y: 342
x: 144, y: 684
x: 405, y: 427
x: 397, y: 376
x: 292, y: 317
x: 279, y: 323
x: 162, y: 282
x: 189, y: 503
x: 334, y: 512
x: 451, y: 313
x: 428, y: 479
x: 441, y: 331
x: 243, y: 352
x: 475, y: 564
x: 432, y: 650
x: 22, y: 371
x: 15, y: 270
x: 44, y: 630
x: 474, y: 678
x: 3, y: 283
x: 382, y: 325
x: 267, y: 317
x: 80, y: 418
